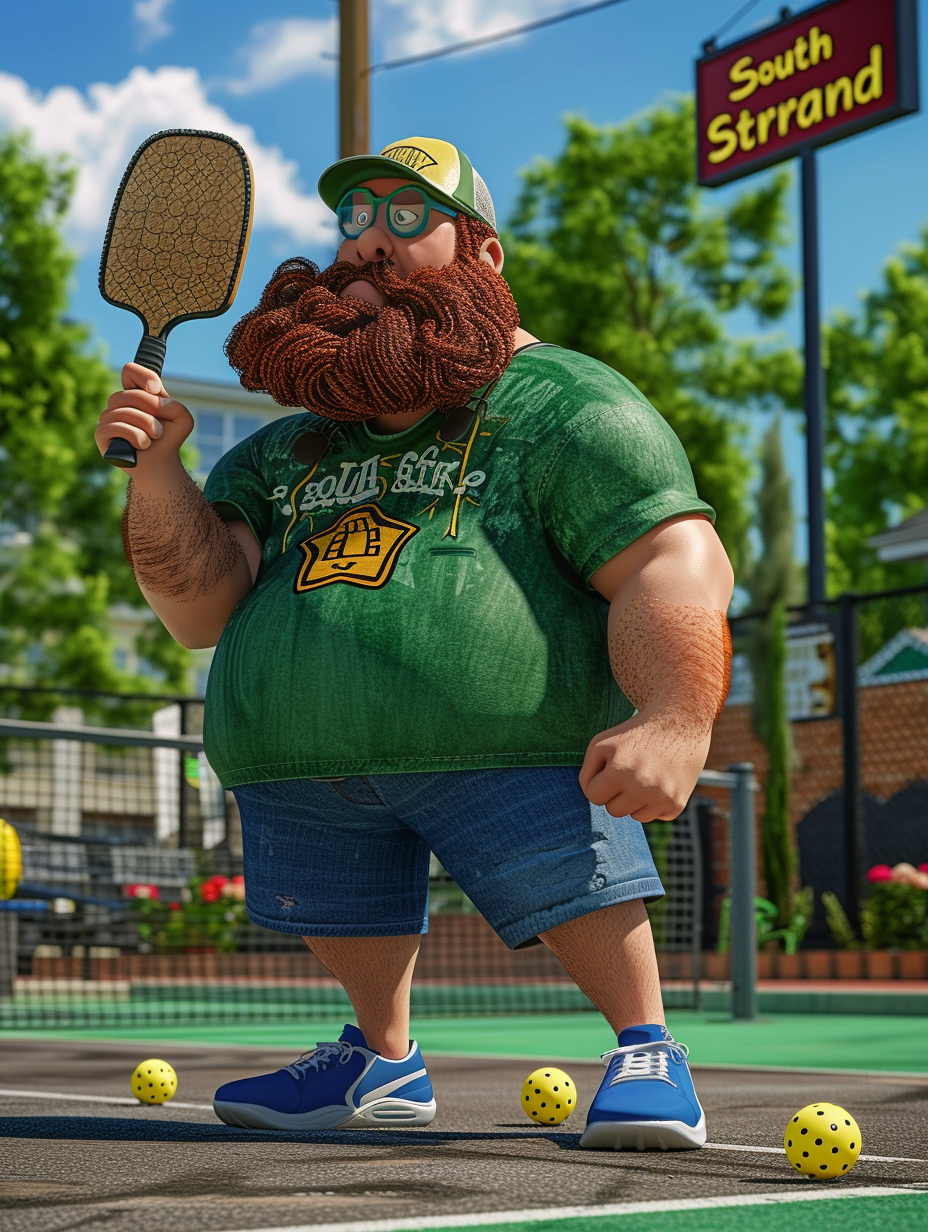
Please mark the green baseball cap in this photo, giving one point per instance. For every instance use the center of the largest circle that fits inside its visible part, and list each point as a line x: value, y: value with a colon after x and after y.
x: 440, y: 167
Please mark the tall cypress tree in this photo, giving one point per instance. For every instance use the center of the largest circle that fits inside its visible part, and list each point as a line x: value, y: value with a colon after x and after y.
x: 773, y: 582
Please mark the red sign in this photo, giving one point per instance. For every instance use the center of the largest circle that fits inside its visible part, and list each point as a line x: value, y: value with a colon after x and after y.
x: 819, y: 76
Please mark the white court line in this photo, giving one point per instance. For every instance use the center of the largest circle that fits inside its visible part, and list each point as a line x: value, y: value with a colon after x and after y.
x: 125, y: 1101
x: 778, y: 1150
x: 699, y: 1065
x: 413, y: 1224
x: 128, y: 1101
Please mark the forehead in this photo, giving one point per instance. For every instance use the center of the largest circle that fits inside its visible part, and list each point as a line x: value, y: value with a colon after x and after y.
x: 384, y: 186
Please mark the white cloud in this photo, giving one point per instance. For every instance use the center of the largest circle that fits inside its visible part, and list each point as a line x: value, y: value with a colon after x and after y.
x: 277, y: 51
x: 280, y: 50
x: 101, y: 130
x: 150, y: 14
x: 411, y: 27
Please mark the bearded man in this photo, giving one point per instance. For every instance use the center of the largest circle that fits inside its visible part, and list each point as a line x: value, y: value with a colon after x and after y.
x: 474, y: 565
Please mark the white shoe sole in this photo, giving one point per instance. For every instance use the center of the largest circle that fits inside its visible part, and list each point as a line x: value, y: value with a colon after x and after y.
x: 644, y: 1135
x: 378, y: 1112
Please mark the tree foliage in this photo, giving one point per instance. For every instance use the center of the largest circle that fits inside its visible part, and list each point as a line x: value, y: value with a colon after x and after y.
x: 773, y: 582
x: 877, y: 443
x: 613, y: 251
x: 61, y: 560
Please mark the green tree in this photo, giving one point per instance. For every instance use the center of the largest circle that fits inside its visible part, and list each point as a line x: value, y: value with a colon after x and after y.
x: 877, y: 442
x: 773, y: 582
x: 614, y: 251
x: 61, y: 560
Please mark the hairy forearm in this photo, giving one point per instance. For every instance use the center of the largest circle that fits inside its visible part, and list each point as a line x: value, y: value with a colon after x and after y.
x: 672, y: 661
x: 189, y: 565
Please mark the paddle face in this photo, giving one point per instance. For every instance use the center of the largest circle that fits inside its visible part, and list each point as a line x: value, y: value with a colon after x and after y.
x: 177, y: 234
x: 176, y: 240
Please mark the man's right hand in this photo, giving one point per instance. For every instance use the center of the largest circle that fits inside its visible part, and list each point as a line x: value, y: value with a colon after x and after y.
x: 144, y: 414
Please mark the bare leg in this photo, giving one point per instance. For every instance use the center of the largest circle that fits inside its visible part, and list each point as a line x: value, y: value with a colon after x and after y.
x: 376, y: 973
x: 610, y: 956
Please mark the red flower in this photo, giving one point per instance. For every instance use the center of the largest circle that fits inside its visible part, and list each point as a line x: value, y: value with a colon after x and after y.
x: 210, y: 892
x: 880, y: 872
x: 174, y: 906
x: 141, y: 891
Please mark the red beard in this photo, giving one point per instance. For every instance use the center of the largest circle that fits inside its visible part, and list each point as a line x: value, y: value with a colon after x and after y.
x: 441, y: 335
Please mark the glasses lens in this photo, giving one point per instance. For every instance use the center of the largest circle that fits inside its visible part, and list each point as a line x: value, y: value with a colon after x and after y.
x: 408, y: 212
x: 355, y: 212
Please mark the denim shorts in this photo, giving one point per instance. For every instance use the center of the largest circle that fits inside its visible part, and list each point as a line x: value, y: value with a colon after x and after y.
x: 350, y: 857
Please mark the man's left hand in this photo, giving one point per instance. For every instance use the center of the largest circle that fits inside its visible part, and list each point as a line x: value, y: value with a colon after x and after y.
x: 645, y: 768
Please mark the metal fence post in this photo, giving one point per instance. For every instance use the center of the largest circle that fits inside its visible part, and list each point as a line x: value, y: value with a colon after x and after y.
x: 743, y: 876
x: 850, y: 738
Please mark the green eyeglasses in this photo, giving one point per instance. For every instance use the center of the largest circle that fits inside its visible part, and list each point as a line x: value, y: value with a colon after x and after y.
x: 407, y: 211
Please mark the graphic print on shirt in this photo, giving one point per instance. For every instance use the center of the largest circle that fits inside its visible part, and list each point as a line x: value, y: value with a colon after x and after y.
x: 442, y: 470
x: 360, y: 548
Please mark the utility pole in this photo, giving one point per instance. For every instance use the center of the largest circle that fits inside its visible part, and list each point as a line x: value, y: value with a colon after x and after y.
x: 353, y: 93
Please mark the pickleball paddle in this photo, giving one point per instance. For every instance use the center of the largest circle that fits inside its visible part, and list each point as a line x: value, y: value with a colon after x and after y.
x: 176, y: 240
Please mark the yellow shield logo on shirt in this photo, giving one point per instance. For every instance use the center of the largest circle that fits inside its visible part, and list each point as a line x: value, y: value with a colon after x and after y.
x: 361, y: 548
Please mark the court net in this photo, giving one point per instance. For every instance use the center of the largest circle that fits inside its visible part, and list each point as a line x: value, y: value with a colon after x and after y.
x: 128, y: 908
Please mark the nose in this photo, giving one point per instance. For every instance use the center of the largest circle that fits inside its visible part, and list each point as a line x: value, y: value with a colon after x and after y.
x: 375, y: 244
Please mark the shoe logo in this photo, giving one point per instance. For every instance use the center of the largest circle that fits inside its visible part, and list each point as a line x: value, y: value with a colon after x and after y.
x: 389, y: 1087
x: 360, y: 548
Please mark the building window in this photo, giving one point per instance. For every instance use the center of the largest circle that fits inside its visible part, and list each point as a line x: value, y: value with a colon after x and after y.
x: 216, y: 432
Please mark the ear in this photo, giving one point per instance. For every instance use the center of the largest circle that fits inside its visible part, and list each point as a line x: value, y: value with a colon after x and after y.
x: 491, y: 251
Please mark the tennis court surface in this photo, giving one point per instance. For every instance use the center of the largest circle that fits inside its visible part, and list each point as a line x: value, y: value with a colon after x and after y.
x: 80, y: 1153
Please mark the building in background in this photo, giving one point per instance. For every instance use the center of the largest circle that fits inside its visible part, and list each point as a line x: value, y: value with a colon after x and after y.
x: 907, y: 541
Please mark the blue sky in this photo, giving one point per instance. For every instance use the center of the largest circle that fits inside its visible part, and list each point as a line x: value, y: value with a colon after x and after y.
x: 95, y: 78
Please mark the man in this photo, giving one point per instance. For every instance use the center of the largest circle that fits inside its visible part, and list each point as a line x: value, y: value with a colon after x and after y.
x: 418, y: 588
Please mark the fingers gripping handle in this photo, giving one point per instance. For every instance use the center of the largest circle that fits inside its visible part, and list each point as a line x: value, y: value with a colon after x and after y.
x: 150, y: 354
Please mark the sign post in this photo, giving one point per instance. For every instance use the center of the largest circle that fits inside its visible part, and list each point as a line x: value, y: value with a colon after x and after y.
x: 813, y: 78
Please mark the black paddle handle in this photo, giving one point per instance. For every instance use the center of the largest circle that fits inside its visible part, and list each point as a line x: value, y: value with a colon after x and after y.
x: 150, y: 354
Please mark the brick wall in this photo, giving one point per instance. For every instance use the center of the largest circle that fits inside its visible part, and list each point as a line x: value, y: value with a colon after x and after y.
x: 893, y: 753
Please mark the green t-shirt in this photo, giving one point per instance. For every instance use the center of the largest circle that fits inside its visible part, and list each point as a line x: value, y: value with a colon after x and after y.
x: 423, y: 605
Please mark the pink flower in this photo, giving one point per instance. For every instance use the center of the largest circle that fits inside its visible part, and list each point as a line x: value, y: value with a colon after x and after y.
x: 922, y: 868
x: 880, y: 872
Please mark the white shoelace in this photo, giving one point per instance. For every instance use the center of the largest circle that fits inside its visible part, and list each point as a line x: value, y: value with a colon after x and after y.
x: 320, y: 1057
x: 648, y: 1060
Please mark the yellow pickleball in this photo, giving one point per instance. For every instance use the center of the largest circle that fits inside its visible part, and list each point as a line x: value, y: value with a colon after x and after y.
x: 548, y: 1096
x: 154, y: 1082
x: 11, y: 860
x: 822, y: 1141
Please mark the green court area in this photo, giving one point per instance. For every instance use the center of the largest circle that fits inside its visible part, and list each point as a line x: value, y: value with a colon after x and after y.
x: 874, y: 1043
x: 900, y: 1212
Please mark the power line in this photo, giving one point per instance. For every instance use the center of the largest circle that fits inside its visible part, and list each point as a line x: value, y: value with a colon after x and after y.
x: 496, y: 38
x: 709, y: 44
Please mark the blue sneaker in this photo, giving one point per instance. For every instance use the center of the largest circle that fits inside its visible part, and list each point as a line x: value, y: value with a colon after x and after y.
x: 646, y: 1100
x: 343, y: 1085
